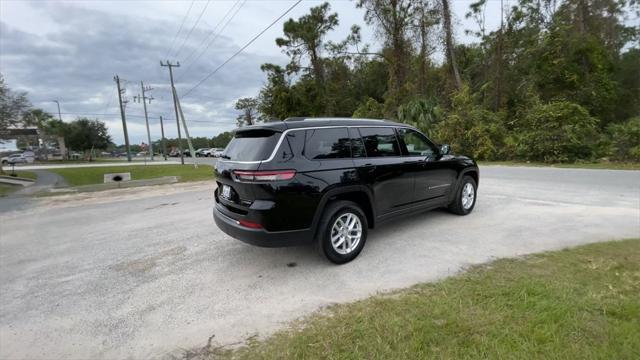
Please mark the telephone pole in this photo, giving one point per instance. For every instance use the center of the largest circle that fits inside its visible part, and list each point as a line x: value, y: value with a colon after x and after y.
x: 124, y: 120
x: 164, y: 144
x: 175, y: 105
x: 144, y: 99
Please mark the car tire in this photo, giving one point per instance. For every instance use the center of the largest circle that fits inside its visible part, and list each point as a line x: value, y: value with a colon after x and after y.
x: 465, y: 197
x: 354, y: 222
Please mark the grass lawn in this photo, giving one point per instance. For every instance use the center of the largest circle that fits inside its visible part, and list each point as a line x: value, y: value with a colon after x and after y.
x: 578, y: 165
x: 94, y: 175
x: 25, y: 174
x: 6, y: 189
x: 571, y: 304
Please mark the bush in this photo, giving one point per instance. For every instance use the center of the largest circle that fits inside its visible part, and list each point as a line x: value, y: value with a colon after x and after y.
x: 557, y: 132
x: 624, y: 140
x: 369, y: 109
x: 472, y: 130
x: 422, y: 114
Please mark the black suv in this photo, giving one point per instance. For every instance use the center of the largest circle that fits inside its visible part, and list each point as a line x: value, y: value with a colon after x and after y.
x: 327, y: 181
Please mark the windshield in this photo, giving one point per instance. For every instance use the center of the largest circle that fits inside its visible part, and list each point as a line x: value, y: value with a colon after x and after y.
x: 252, y: 145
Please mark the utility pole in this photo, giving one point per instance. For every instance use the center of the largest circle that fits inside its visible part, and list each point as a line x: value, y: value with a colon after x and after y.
x: 124, y: 120
x: 164, y: 144
x: 144, y: 99
x: 59, y: 114
x: 186, y: 131
x: 175, y: 105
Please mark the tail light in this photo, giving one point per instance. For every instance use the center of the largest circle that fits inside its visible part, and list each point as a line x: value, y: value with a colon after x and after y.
x: 250, y: 224
x: 269, y: 175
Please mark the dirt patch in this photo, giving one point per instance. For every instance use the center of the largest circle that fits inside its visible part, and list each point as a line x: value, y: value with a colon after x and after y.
x: 146, y: 264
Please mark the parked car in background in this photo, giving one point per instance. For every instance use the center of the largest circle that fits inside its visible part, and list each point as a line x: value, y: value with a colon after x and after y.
x: 26, y: 157
x: 202, y: 152
x: 174, y: 153
x: 217, y: 153
x: 328, y: 181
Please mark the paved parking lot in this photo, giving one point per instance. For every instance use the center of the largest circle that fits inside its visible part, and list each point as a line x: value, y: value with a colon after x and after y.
x: 144, y: 272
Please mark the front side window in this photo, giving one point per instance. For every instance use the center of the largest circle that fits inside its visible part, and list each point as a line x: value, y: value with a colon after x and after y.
x: 416, y: 143
x: 327, y: 144
x: 380, y: 142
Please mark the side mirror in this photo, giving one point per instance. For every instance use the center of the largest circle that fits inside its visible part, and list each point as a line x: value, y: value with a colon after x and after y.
x: 445, y: 149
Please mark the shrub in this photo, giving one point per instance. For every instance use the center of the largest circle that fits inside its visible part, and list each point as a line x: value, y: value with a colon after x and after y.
x: 422, y: 114
x: 369, y: 109
x: 472, y: 130
x: 624, y: 140
x: 557, y: 132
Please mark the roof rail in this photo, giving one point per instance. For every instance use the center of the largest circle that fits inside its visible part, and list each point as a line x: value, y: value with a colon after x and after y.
x: 295, y: 118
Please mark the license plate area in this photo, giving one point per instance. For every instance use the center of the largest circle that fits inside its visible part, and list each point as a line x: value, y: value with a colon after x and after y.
x: 226, y: 192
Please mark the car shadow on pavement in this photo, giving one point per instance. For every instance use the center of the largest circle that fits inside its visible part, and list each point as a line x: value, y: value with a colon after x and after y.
x: 308, y: 256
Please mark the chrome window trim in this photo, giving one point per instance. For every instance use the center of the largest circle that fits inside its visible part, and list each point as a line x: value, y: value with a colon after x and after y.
x: 284, y: 133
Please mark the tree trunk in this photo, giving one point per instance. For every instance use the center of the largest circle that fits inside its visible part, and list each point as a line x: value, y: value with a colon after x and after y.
x: 448, y: 36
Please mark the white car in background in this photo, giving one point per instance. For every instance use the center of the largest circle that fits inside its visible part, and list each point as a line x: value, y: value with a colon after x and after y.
x: 217, y: 153
x: 202, y: 152
x: 26, y: 157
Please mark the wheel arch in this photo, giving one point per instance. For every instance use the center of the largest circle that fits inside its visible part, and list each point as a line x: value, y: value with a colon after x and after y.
x: 358, y: 194
x: 474, y: 172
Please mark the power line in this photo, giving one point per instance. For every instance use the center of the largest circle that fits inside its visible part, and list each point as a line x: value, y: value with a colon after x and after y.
x: 215, y: 37
x: 192, y: 28
x: 113, y: 88
x: 180, y: 29
x: 241, y: 49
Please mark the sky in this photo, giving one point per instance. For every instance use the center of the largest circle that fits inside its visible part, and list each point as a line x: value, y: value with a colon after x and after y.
x: 70, y: 51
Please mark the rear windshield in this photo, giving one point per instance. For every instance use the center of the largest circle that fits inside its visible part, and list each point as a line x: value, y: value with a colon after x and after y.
x: 251, y: 145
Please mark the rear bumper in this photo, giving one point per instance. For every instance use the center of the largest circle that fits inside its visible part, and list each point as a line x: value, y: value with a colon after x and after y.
x: 260, y: 237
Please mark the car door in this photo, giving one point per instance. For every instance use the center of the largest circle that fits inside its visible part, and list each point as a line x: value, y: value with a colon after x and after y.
x: 378, y: 158
x: 434, y: 175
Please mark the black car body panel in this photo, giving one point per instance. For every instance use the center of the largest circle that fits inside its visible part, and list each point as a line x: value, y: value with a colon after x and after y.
x: 288, y: 212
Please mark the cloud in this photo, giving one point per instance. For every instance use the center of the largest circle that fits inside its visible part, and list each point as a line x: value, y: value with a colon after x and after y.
x: 76, y: 64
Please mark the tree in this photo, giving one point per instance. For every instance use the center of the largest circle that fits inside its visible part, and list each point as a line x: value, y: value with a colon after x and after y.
x: 447, y: 27
x: 12, y: 106
x: 36, y: 117
x: 221, y: 140
x: 85, y: 134
x: 276, y: 101
x: 248, y: 107
x: 304, y: 38
x: 392, y: 19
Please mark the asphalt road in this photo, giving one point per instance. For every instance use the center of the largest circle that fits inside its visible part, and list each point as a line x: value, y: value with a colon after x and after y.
x: 145, y: 272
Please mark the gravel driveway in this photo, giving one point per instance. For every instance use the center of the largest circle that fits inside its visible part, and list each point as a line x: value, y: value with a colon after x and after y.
x: 144, y: 272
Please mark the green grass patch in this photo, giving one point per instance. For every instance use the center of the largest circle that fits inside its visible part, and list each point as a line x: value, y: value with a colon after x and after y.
x: 95, y: 175
x: 577, y: 165
x: 6, y: 189
x: 571, y: 304
x: 26, y: 174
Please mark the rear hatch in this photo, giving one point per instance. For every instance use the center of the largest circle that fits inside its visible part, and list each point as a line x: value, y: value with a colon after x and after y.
x: 244, y: 153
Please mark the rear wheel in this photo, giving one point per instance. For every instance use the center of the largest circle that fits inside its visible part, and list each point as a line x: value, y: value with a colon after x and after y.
x: 343, y: 232
x: 465, y: 199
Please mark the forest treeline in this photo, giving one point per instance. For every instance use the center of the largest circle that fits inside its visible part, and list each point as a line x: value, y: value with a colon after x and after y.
x: 557, y: 81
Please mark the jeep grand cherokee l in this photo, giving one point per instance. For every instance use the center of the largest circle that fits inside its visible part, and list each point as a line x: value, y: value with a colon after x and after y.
x: 328, y: 181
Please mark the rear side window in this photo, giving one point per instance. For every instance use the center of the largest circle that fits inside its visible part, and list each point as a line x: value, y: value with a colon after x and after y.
x: 379, y: 142
x: 251, y: 145
x: 327, y: 144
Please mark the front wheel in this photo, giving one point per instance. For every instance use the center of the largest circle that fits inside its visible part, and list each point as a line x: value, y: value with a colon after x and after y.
x: 342, y: 232
x: 465, y: 197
